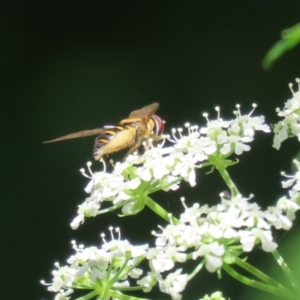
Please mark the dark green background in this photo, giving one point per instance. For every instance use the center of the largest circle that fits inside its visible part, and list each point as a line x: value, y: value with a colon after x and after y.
x: 73, y: 65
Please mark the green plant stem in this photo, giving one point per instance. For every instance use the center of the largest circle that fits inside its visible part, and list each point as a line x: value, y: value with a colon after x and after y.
x: 88, y: 296
x: 115, y: 277
x: 255, y: 272
x: 225, y: 175
x: 196, y: 271
x: 160, y: 211
x: 117, y: 295
x: 286, y: 270
x: 277, y: 290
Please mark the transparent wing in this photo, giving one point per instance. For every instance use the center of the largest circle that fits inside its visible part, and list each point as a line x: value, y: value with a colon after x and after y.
x: 145, y: 112
x: 79, y: 134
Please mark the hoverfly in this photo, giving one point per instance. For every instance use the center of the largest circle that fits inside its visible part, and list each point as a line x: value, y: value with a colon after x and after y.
x: 141, y: 125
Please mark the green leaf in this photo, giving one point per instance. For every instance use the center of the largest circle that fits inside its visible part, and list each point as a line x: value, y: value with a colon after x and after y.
x: 290, y: 38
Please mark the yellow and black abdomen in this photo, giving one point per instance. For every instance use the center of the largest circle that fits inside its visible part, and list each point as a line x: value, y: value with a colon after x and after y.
x: 113, y: 139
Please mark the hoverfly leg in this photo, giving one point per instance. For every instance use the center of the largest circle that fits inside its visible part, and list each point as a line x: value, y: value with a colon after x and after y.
x: 106, y: 160
x: 138, y: 137
x: 131, y: 149
x: 109, y: 165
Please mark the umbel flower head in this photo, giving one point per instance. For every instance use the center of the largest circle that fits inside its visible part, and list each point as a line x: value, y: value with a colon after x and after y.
x: 216, y: 235
x: 130, y: 183
x: 103, y: 271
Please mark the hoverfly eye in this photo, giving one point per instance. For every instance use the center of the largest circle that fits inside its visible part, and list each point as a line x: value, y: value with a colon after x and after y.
x: 159, y: 125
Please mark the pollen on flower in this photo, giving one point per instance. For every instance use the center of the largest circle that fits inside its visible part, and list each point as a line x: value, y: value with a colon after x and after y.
x: 174, y: 132
x: 182, y: 199
x: 291, y: 86
x: 148, y: 144
x: 91, y: 174
x: 102, y: 235
x: 117, y: 230
x: 82, y: 171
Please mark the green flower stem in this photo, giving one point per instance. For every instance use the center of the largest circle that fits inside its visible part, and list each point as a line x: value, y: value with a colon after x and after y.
x: 160, y: 211
x: 161, y: 187
x: 277, y: 290
x: 131, y: 288
x: 196, y: 271
x: 113, y: 207
x: 118, y: 295
x: 137, y: 261
x: 225, y: 175
x: 88, y: 296
x: 257, y: 273
x: 117, y: 275
x: 293, y: 281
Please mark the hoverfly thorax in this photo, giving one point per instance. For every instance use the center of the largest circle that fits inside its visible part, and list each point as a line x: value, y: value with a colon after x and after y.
x: 141, y: 125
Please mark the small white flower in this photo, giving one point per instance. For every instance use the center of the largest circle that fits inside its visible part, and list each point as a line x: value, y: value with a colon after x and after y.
x: 289, y: 207
x: 290, y: 125
x: 294, y: 179
x: 161, y: 262
x: 237, y: 143
x: 234, y: 135
x: 148, y: 281
x: 214, y: 296
x: 174, y: 284
x: 248, y: 124
x: 62, y: 295
x: 213, y: 255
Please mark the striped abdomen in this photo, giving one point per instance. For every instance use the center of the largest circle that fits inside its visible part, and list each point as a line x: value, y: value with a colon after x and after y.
x: 104, y: 138
x: 114, y: 139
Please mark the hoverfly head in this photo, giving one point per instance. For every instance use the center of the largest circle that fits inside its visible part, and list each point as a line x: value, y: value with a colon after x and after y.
x: 159, y: 125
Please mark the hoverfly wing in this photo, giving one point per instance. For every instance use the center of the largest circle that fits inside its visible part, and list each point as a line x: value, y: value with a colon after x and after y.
x: 79, y: 134
x: 145, y: 112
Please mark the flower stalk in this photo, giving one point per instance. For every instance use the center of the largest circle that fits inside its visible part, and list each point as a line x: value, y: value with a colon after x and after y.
x: 214, y: 237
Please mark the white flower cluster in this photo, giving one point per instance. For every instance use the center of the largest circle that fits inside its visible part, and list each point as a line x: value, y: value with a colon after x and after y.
x: 162, y: 168
x: 218, y: 234
x: 294, y: 192
x: 102, y: 269
x: 211, y: 236
x: 234, y: 135
x: 290, y: 125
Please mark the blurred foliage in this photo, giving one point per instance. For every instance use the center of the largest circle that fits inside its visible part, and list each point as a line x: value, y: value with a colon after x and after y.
x: 290, y: 38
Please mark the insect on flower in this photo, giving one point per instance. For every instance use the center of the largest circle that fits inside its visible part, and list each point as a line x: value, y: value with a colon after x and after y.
x: 141, y: 125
